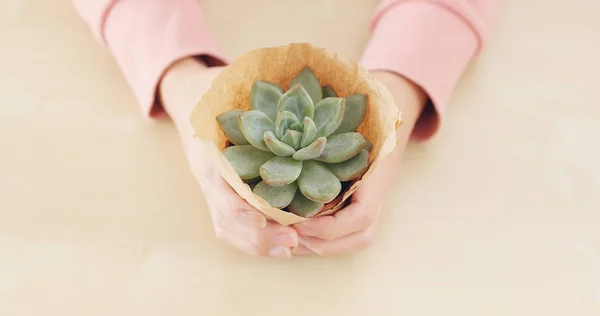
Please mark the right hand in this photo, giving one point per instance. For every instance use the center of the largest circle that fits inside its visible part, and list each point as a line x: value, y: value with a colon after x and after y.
x: 235, y: 221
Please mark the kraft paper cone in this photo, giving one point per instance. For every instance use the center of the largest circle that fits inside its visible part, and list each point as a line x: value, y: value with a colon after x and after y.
x: 279, y: 65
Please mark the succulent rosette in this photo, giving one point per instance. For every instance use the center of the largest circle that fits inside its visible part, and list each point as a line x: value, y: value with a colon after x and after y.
x: 297, y: 146
x: 295, y: 130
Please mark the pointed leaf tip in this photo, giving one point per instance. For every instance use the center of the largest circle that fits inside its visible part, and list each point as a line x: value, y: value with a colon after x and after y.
x: 292, y: 138
x: 297, y: 127
x: 352, y: 168
x: 276, y: 146
x: 283, y: 122
x: 312, y: 151
x: 297, y: 101
x: 311, y: 84
x: 354, y: 114
x: 280, y: 171
x: 264, y: 97
x: 328, y: 92
x: 342, y: 147
x: 310, y: 132
x: 369, y: 145
x: 231, y: 128
x: 246, y: 160
x: 253, y: 125
x: 328, y: 115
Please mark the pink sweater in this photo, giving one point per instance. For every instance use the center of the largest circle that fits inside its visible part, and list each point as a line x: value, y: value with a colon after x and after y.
x: 427, y: 41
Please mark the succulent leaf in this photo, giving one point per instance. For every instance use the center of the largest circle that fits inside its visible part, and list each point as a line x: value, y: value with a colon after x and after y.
x: 229, y: 125
x: 352, y: 168
x: 312, y: 151
x: 280, y: 171
x: 354, y: 114
x: 310, y: 131
x: 292, y: 138
x: 328, y: 115
x: 264, y: 97
x: 311, y: 84
x: 246, y: 160
x: 328, y: 92
x: 369, y: 145
x: 277, y: 196
x: 276, y: 146
x: 297, y: 127
x: 342, y: 147
x: 253, y: 125
x: 297, y: 101
x: 294, y: 148
x: 317, y: 183
x: 284, y: 120
x: 304, y: 207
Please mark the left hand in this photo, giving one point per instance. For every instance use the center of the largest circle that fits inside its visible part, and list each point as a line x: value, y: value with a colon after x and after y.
x: 352, y: 228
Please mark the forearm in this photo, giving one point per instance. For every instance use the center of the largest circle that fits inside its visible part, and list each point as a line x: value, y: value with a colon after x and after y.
x: 180, y: 90
x: 429, y: 42
x: 409, y: 98
x: 146, y: 37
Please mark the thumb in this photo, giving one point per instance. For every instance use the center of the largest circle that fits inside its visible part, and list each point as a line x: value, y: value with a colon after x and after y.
x: 195, y: 152
x: 230, y: 204
x: 221, y: 198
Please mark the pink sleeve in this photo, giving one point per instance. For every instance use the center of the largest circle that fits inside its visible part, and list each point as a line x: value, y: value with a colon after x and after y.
x: 147, y: 36
x: 430, y: 42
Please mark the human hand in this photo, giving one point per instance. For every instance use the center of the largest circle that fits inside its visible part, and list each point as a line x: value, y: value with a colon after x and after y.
x: 235, y: 221
x: 352, y: 228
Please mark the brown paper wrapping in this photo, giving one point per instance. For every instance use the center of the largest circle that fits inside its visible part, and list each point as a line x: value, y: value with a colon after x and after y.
x: 231, y: 90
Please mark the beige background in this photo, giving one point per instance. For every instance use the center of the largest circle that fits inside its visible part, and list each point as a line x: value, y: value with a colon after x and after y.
x: 498, y: 215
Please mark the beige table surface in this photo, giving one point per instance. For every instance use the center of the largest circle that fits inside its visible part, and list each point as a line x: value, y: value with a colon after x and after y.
x: 498, y: 215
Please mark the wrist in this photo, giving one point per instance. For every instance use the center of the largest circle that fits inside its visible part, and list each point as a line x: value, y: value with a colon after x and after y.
x: 409, y: 97
x: 179, y: 93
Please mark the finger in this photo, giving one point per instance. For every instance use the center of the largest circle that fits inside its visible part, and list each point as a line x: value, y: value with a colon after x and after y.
x: 273, y: 240
x: 224, y: 198
x: 233, y: 239
x: 251, y: 248
x: 276, y: 240
x: 224, y: 213
x: 246, y: 228
x: 237, y: 222
x: 271, y: 236
x: 302, y: 250
x: 355, y: 241
x: 251, y: 218
x: 355, y: 217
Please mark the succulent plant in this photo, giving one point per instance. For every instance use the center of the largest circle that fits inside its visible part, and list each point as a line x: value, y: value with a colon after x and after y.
x: 299, y: 144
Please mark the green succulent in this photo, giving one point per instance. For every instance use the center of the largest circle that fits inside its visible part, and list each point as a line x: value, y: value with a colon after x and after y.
x: 299, y: 145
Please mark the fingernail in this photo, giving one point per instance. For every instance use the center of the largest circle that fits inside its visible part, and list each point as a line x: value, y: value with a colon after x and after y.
x: 302, y: 250
x: 288, y: 240
x: 280, y: 252
x: 305, y: 229
x: 302, y: 240
x: 252, y: 219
